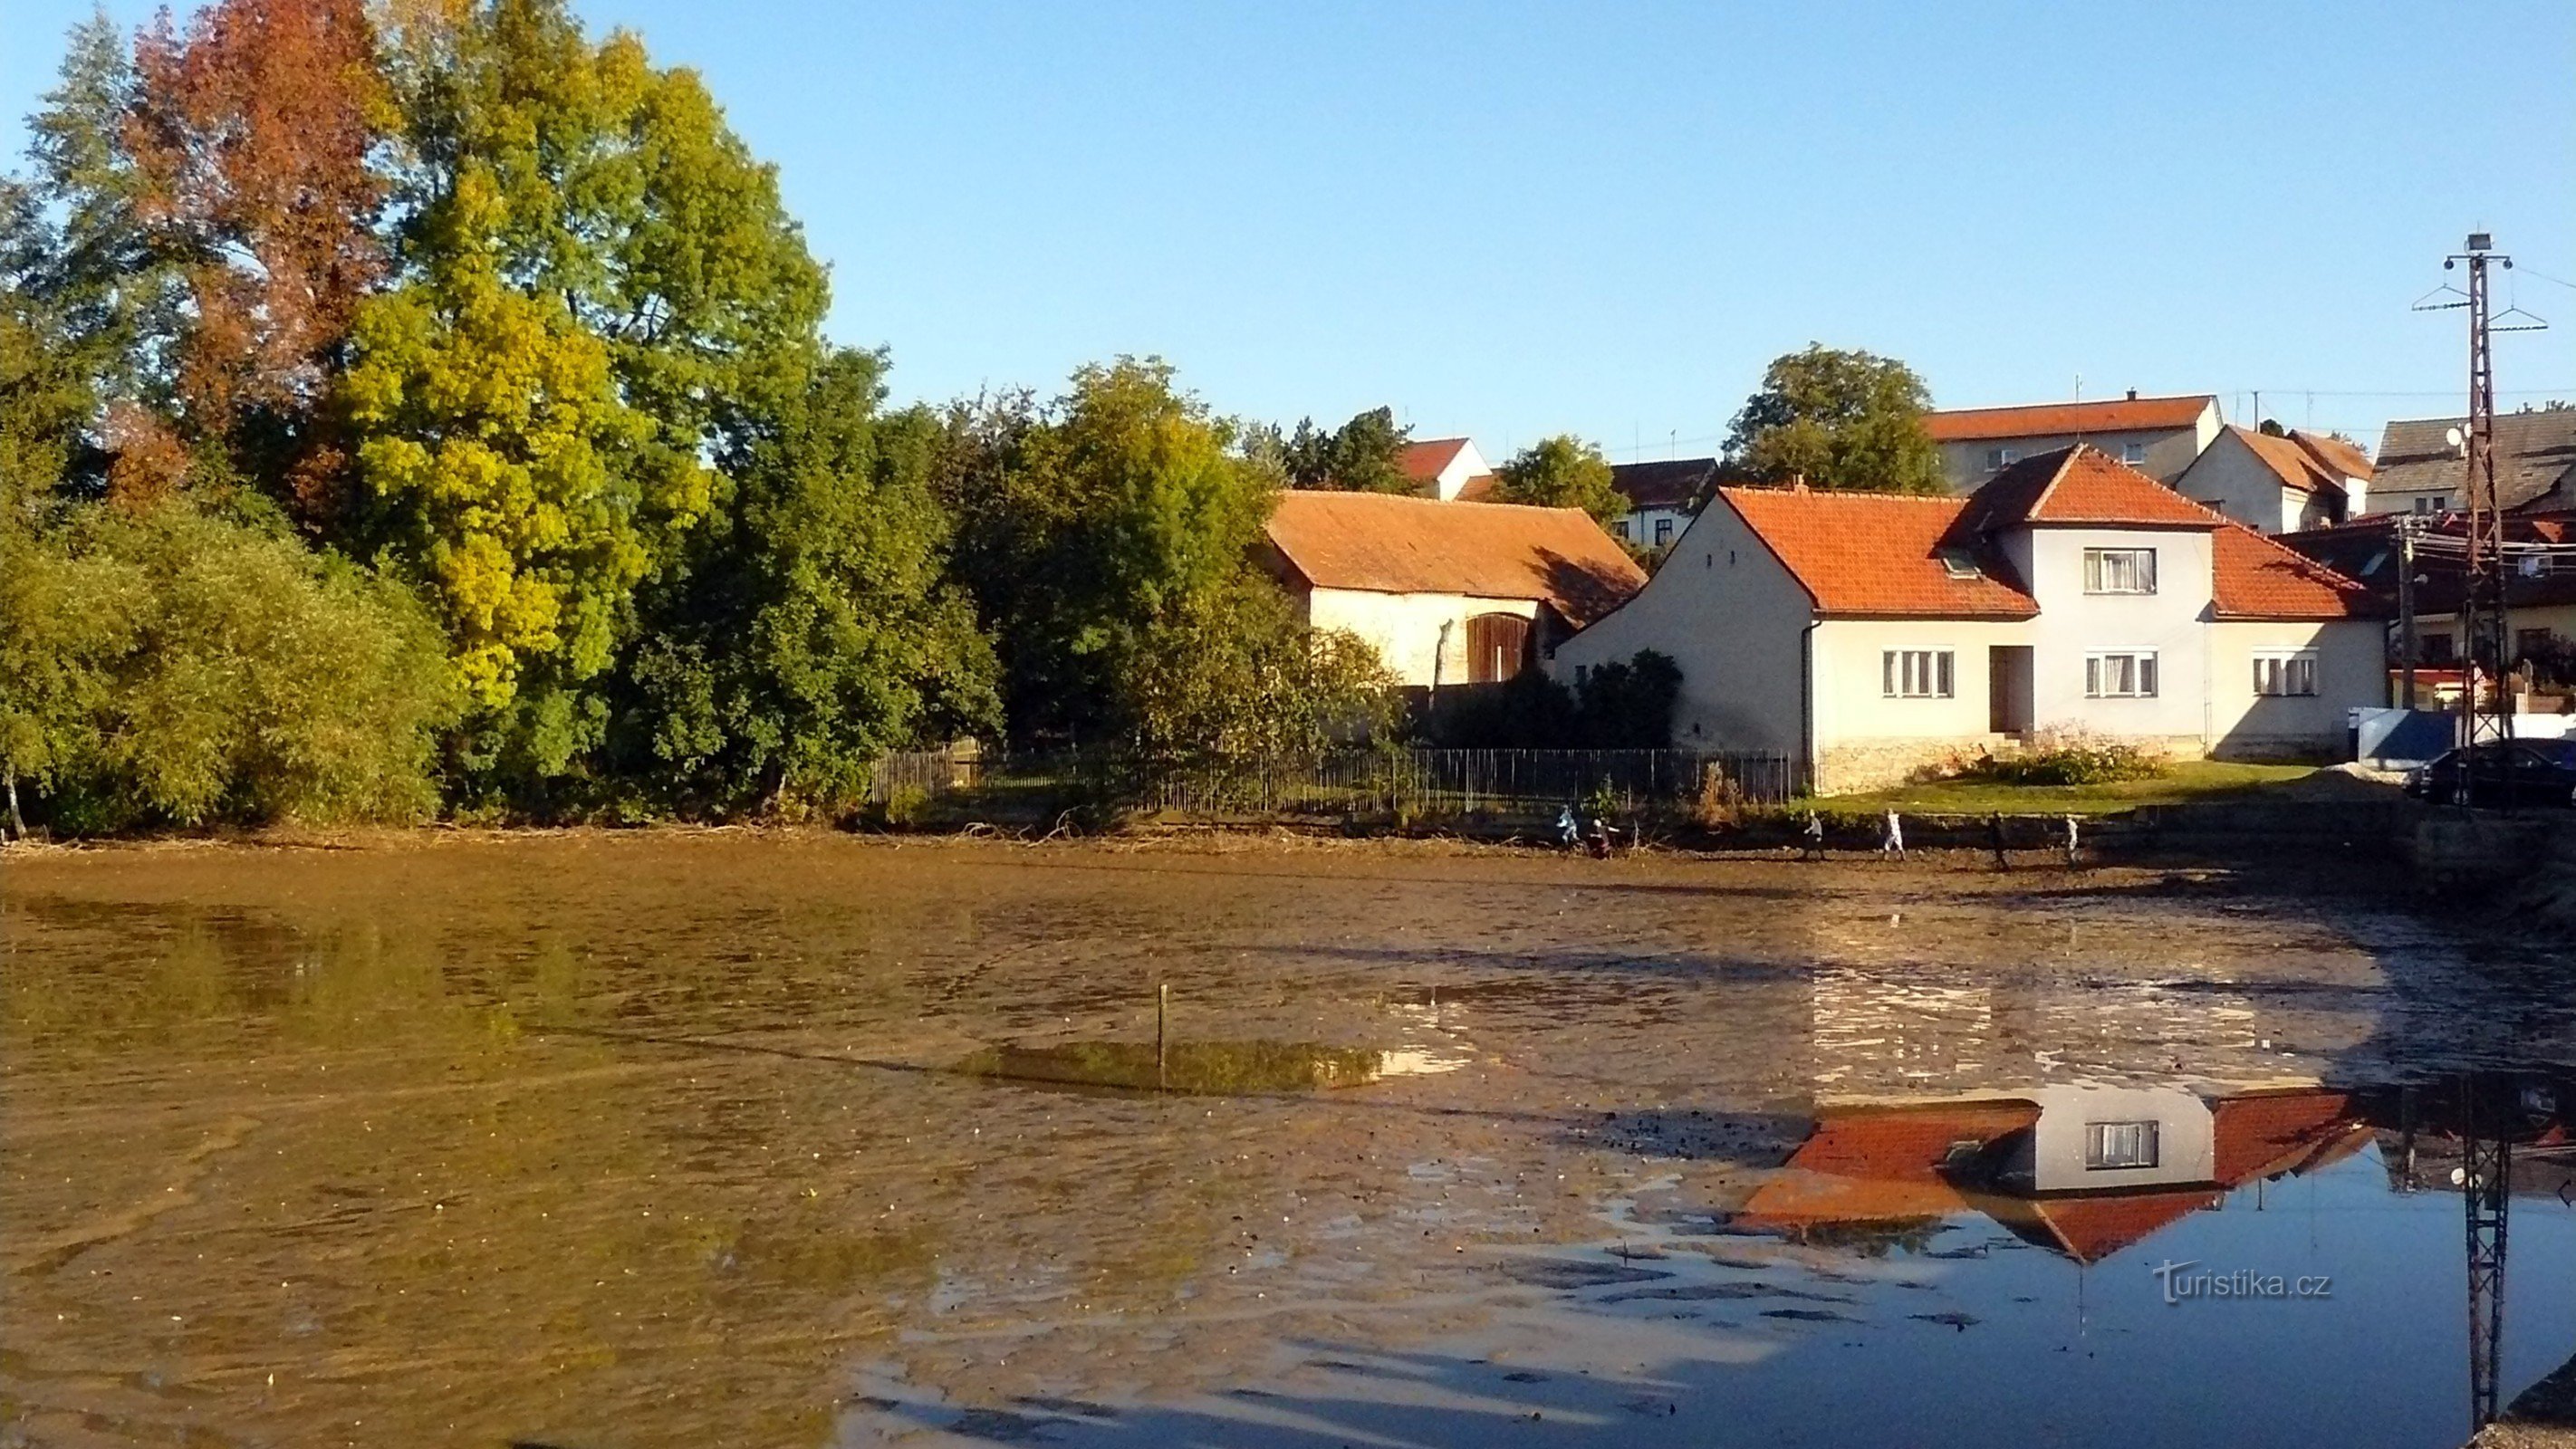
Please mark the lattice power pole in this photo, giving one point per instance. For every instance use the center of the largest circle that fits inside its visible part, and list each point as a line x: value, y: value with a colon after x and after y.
x: 2486, y: 1188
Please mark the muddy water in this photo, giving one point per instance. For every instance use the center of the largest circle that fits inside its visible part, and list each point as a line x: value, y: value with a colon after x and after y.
x: 723, y: 1139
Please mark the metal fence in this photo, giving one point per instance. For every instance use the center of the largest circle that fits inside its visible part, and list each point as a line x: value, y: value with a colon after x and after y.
x: 1414, y: 783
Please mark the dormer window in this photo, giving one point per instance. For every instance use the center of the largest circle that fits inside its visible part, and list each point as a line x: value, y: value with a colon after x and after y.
x: 1957, y: 564
x: 1998, y: 459
x: 2133, y: 454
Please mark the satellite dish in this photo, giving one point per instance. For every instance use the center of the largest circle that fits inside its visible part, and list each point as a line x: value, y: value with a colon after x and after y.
x: 2455, y: 438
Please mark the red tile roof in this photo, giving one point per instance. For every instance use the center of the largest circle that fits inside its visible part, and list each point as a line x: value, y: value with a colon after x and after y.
x: 2082, y: 485
x: 2270, y: 1133
x: 2261, y: 579
x: 2059, y: 420
x: 1879, y: 1165
x: 2091, y: 1228
x: 1423, y: 461
x: 2305, y: 461
x: 1392, y: 544
x: 1879, y: 554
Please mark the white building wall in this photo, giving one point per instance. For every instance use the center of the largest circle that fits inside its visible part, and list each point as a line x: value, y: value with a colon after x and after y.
x: 2351, y: 673
x: 2073, y: 624
x: 1638, y: 526
x: 2186, y: 1137
x: 1469, y: 463
x: 1733, y: 619
x: 1405, y: 629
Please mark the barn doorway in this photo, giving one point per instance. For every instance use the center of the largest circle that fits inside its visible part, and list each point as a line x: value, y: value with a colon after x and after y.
x: 1497, y: 646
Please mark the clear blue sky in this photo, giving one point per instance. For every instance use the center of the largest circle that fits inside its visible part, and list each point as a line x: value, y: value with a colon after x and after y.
x: 1515, y: 219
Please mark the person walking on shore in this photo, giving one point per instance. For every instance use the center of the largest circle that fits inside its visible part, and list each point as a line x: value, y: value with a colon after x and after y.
x: 2071, y: 845
x: 1995, y: 835
x: 1815, y: 833
x: 1893, y: 842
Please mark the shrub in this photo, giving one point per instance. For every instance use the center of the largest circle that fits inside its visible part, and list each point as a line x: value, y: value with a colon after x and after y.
x: 2072, y: 757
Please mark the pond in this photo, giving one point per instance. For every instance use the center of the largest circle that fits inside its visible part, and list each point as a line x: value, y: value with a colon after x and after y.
x: 672, y: 1138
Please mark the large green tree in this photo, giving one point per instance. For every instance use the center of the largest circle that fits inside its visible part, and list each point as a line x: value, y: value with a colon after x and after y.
x: 1364, y: 455
x: 1837, y: 419
x: 1561, y: 472
x: 813, y: 627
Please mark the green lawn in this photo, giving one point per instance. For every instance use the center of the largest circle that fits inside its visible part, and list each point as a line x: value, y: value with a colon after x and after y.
x: 2191, y: 780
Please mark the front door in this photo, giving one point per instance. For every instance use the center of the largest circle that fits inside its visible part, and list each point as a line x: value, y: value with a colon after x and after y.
x: 2008, y: 689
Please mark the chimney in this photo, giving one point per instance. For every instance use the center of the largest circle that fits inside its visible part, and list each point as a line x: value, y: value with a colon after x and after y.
x: 1797, y: 482
x: 2133, y: 394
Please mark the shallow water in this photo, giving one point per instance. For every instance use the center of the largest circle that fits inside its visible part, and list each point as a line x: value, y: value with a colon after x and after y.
x: 701, y: 1139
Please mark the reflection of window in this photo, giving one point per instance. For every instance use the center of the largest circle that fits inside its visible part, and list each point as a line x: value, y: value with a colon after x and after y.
x: 1663, y: 532
x: 2119, y: 571
x: 1495, y: 646
x: 1916, y: 674
x: 2119, y: 1144
x: 2125, y: 675
x: 2292, y: 673
x: 2133, y: 454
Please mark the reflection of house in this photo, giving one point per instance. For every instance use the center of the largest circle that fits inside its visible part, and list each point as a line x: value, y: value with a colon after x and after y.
x: 1447, y: 593
x: 1448, y: 469
x: 2279, y: 482
x: 1659, y: 498
x: 2157, y: 435
x: 2422, y: 471
x: 1871, y: 635
x: 2083, y: 1171
x: 2539, y: 582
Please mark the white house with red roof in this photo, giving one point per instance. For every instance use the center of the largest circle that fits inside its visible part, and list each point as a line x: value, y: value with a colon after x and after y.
x: 2280, y: 482
x: 1448, y: 469
x: 1871, y: 635
x: 1446, y: 592
x: 2159, y: 436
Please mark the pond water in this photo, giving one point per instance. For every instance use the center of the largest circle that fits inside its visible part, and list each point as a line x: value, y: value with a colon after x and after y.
x: 680, y: 1139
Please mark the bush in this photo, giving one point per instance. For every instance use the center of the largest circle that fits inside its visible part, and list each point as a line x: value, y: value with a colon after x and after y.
x: 2070, y: 758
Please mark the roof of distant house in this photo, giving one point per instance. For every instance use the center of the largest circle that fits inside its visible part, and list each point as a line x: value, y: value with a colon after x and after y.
x: 2535, y: 456
x: 1426, y: 460
x: 2305, y: 461
x: 1393, y: 544
x: 2062, y: 420
x: 1877, y: 555
x: 2365, y: 551
x: 1669, y: 483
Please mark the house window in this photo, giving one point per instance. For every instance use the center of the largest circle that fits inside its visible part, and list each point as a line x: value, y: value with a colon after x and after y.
x: 2290, y: 673
x: 1663, y: 532
x: 1496, y: 645
x: 1998, y: 459
x: 2121, y: 674
x: 2119, y: 571
x: 2133, y: 454
x: 2109, y: 1146
x: 1916, y: 674
x: 1619, y: 530
x: 2437, y: 648
x: 2430, y: 502
x: 2528, y: 642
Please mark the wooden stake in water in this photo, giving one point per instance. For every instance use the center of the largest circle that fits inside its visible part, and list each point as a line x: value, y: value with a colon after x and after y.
x: 1162, y: 1009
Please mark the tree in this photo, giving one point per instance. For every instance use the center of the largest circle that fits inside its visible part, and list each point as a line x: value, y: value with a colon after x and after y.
x: 252, y: 135
x: 813, y: 628
x: 1561, y: 472
x: 1837, y: 419
x: 1233, y: 675
x: 1086, y: 524
x: 1365, y: 455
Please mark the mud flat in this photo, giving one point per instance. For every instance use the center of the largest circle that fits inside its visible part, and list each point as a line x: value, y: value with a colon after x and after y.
x: 673, y: 1138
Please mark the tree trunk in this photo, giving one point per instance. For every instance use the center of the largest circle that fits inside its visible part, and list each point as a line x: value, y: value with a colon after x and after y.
x: 17, y: 822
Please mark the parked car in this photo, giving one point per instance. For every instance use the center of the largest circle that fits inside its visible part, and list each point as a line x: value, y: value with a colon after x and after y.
x: 2524, y: 772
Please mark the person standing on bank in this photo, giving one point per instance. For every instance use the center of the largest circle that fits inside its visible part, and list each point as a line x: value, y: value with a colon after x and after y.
x: 2071, y: 843
x: 1815, y: 838
x: 1995, y: 834
x: 1893, y: 842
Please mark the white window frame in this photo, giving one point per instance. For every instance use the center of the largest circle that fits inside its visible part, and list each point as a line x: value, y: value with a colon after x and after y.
x: 1998, y: 459
x: 2139, y: 665
x: 2133, y: 454
x: 2136, y: 568
x: 1619, y: 529
x: 1918, y: 674
x: 2285, y: 673
x: 2122, y: 1146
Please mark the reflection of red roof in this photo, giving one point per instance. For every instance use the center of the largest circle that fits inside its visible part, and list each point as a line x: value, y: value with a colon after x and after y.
x: 1424, y: 461
x: 2267, y: 1135
x: 2092, y: 1227
x: 1391, y: 544
x: 2074, y: 419
x: 1879, y: 554
x: 1879, y: 1165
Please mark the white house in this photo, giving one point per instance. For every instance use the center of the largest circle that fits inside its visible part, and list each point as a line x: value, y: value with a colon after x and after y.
x: 1871, y: 635
x: 2157, y: 435
x: 2279, y: 482
x: 1446, y: 592
x: 1659, y: 498
x: 1449, y: 469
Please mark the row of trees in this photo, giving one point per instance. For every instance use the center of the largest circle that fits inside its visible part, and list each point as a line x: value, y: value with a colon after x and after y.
x: 425, y: 406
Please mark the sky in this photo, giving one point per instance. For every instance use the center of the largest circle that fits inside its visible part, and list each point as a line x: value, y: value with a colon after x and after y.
x: 1509, y: 220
